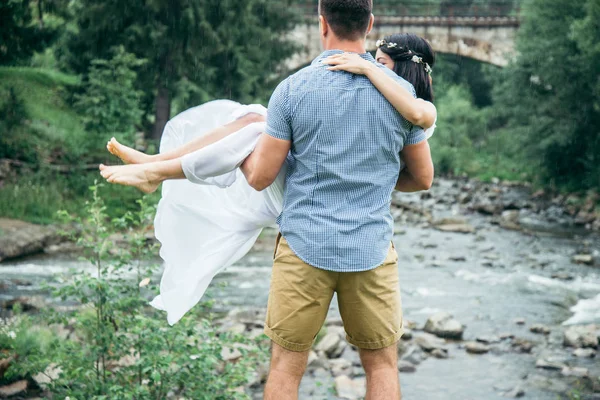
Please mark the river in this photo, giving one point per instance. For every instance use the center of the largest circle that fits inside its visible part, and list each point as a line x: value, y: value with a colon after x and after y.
x: 487, y: 280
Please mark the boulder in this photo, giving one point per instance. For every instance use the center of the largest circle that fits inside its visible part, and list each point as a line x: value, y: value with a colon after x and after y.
x: 27, y: 304
x: 4, y: 365
x: 13, y: 389
x: 19, y: 238
x: 581, y: 336
x: 444, y: 325
x: 350, y: 389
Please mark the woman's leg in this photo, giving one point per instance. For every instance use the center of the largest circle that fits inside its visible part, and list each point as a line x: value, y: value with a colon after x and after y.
x: 146, y: 177
x: 132, y: 156
x: 212, y: 160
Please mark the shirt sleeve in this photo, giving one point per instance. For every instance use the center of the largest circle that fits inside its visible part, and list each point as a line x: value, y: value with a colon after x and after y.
x: 279, y: 123
x: 416, y: 135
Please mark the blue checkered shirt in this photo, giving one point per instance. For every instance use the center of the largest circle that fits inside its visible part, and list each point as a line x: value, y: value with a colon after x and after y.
x: 342, y: 167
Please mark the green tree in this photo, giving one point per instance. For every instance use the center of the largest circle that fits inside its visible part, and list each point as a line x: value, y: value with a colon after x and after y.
x: 20, y: 34
x: 203, y: 48
x: 110, y: 103
x: 549, y: 97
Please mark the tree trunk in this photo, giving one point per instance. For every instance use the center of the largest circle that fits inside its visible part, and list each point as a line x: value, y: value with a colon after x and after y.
x: 163, y: 111
x: 40, y: 14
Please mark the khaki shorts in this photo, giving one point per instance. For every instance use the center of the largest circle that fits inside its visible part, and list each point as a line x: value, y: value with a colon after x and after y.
x: 300, y: 296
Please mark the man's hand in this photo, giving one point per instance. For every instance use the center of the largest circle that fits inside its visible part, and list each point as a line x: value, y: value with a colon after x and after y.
x: 418, y: 174
x: 262, y: 166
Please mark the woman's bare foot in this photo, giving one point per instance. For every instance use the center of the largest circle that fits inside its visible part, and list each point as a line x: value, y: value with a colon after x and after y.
x: 130, y: 175
x: 127, y: 154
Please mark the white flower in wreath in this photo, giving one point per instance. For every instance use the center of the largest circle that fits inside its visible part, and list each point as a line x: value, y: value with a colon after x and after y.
x: 380, y: 43
x: 392, y: 45
x: 417, y: 59
x: 428, y: 69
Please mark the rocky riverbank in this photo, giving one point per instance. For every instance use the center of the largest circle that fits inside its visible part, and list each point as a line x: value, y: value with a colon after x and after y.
x: 500, y: 289
x: 512, y: 206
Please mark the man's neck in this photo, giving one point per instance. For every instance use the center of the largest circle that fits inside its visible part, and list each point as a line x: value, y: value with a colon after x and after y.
x: 346, y: 46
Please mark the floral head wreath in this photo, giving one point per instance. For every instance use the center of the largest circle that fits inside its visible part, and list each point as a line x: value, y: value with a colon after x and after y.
x: 416, y: 58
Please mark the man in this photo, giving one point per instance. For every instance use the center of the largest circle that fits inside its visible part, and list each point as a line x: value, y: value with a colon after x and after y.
x: 344, y: 142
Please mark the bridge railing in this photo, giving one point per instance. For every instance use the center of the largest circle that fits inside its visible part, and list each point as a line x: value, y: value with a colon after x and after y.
x: 432, y: 8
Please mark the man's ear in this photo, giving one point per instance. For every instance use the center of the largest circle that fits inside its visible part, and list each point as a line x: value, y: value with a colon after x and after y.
x: 323, y: 26
x: 371, y: 22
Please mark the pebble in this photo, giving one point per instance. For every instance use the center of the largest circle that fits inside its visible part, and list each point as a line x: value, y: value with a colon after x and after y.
x: 476, y: 348
x: 440, y: 353
x: 575, y: 371
x: 519, y: 321
x: 405, y: 366
x: 340, y: 366
x: 540, y: 329
x: 429, y: 342
x: 488, y: 339
x: 544, y: 364
x: 443, y: 325
x: 522, y: 345
x: 586, y: 259
x: 584, y: 353
x: 515, y: 393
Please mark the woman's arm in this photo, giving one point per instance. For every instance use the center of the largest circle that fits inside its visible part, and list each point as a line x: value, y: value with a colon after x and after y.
x: 417, y: 111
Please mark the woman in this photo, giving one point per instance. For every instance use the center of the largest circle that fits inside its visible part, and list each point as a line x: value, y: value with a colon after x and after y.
x: 203, y: 228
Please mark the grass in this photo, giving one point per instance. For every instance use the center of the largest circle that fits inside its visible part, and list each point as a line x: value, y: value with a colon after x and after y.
x: 44, y: 92
x: 53, y: 131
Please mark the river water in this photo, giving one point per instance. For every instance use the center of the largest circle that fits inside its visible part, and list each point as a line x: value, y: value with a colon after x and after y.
x: 486, y: 279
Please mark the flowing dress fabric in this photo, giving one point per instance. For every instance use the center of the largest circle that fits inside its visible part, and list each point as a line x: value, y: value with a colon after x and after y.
x: 211, y: 220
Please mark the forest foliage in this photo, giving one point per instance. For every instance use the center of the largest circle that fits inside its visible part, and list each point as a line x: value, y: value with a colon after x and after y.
x: 74, y: 73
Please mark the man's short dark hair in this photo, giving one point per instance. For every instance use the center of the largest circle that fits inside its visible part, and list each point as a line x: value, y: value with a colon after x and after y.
x: 349, y: 19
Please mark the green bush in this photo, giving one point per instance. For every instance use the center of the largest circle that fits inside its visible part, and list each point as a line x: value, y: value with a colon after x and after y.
x: 119, y: 347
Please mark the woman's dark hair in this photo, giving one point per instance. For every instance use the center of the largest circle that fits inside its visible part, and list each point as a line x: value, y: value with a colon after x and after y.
x: 406, y: 47
x: 349, y: 19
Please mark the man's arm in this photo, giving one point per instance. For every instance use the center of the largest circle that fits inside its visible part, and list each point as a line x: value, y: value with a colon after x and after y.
x: 262, y: 166
x: 418, y: 174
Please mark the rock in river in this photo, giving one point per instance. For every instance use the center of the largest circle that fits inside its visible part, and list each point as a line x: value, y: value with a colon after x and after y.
x: 477, y: 348
x: 19, y: 238
x: 539, y: 328
x: 581, y: 336
x: 444, y: 325
x: 332, y: 344
x: 351, y: 389
x: 586, y: 259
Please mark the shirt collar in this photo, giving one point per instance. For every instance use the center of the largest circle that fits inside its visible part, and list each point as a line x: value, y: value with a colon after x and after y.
x: 327, y: 53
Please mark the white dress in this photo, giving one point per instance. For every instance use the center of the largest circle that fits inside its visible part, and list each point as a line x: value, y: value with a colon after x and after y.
x: 212, y: 219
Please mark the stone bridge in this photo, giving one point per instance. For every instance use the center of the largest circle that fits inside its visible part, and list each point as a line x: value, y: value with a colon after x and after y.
x: 489, y: 39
